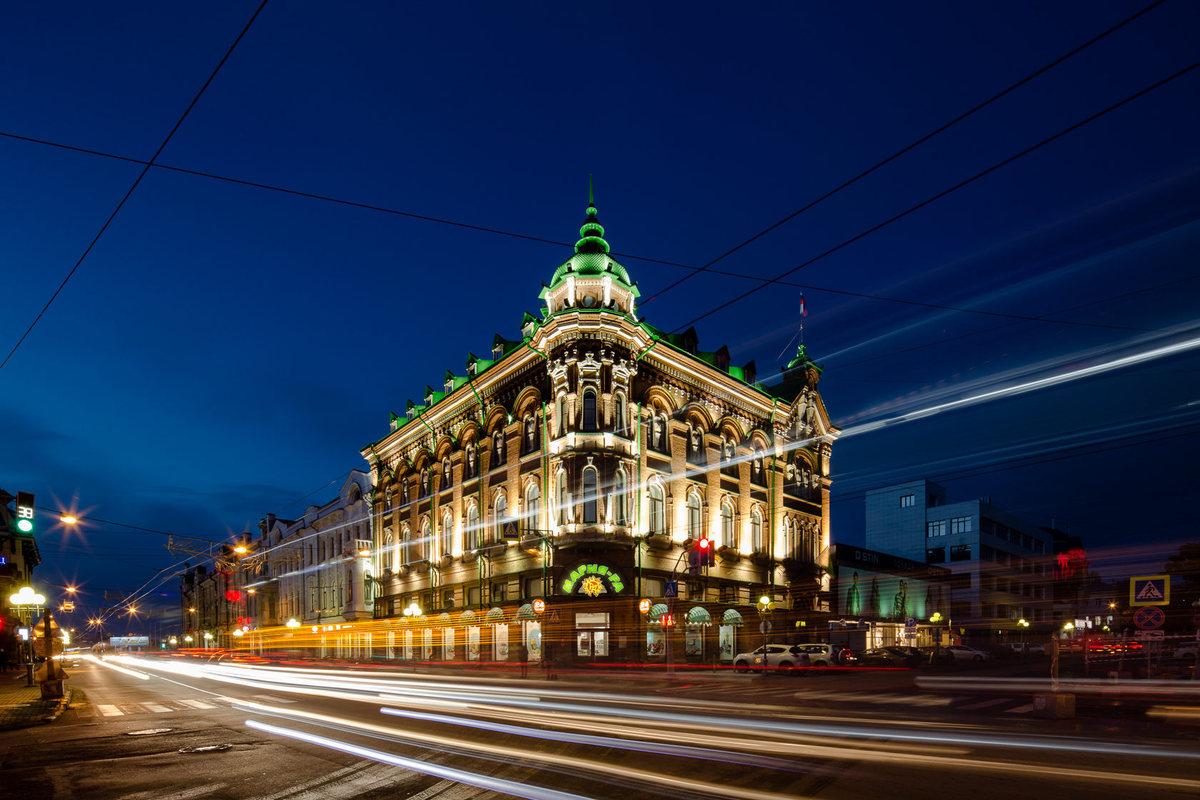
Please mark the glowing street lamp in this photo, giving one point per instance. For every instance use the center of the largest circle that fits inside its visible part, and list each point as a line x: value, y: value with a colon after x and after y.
x: 68, y: 519
x: 291, y: 623
x: 25, y: 601
x: 413, y: 610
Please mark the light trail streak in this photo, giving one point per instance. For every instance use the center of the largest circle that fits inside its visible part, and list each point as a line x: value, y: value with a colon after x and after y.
x: 572, y: 764
x: 685, y: 751
x: 446, y: 773
x: 1047, y: 686
x: 103, y: 663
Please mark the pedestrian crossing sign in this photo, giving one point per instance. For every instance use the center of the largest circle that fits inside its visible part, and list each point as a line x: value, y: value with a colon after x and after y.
x: 1150, y: 590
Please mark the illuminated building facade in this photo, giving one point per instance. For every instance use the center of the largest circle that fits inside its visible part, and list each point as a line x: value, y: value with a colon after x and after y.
x: 579, y: 464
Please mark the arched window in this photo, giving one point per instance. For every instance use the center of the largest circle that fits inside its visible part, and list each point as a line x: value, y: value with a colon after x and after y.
x: 756, y: 531
x: 589, y: 410
x: 501, y: 512
x: 789, y: 538
x: 560, y: 415
x: 656, y: 509
x: 388, y: 553
x: 693, y: 516
x: 589, y: 495
x: 621, y: 501
x: 471, y: 534
x: 560, y: 498
x: 406, y: 546
x: 447, y: 534
x: 423, y: 546
x: 727, y: 524
x: 620, y: 413
x: 530, y: 521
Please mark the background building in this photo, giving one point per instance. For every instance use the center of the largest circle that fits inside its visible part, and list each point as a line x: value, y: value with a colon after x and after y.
x: 1003, y: 568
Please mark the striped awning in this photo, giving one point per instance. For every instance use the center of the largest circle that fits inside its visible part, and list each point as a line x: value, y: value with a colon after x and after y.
x: 698, y: 618
x: 732, y: 617
x: 442, y: 619
x: 468, y: 617
x: 526, y: 613
x: 656, y: 613
x: 495, y: 616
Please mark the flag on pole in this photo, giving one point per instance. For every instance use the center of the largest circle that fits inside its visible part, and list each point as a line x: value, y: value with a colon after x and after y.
x: 803, y: 308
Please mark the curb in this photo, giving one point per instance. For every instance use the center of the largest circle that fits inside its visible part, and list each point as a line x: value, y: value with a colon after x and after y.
x: 62, y: 704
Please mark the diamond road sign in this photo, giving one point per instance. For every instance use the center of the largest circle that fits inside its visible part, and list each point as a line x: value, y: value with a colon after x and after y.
x: 1150, y: 590
x: 672, y: 589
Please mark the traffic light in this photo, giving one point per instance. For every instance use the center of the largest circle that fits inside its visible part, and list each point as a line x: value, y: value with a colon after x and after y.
x: 25, y: 512
x: 701, y: 555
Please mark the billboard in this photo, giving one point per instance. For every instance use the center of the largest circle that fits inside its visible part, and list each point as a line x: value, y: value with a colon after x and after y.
x: 873, y: 585
x: 129, y: 641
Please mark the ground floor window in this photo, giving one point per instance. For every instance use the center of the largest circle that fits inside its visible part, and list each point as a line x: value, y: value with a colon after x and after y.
x: 408, y: 645
x: 693, y: 643
x: 447, y: 644
x: 427, y: 645
x: 532, y: 634
x: 500, y: 642
x: 391, y: 644
x: 472, y: 643
x: 726, y: 640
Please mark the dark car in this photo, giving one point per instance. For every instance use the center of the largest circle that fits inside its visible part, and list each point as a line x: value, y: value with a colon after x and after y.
x: 936, y: 655
x: 890, y: 657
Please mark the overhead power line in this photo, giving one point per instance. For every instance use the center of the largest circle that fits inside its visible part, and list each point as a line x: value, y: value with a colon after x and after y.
x: 942, y: 194
x: 141, y: 175
x: 542, y: 240
x: 904, y: 150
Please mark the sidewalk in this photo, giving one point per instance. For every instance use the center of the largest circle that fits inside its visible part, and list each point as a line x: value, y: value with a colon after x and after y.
x: 22, y: 706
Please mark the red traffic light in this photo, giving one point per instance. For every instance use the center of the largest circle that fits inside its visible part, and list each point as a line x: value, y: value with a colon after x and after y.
x: 703, y: 545
x: 667, y: 620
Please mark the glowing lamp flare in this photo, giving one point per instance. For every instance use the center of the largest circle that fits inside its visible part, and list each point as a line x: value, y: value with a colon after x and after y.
x: 27, y: 597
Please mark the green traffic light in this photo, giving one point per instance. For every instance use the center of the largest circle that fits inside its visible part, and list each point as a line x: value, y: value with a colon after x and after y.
x: 24, y: 525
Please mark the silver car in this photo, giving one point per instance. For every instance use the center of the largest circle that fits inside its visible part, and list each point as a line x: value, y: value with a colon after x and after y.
x: 823, y: 655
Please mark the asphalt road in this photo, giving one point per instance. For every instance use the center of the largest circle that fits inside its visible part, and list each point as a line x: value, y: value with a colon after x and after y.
x: 175, y: 728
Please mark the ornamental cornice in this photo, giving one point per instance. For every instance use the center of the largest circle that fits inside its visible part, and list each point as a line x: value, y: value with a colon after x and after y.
x: 693, y: 382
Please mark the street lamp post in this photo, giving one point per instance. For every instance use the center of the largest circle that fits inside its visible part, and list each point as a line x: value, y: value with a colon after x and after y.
x: 27, y: 602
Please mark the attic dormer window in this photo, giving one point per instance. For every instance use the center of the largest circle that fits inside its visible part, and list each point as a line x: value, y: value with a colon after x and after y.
x: 498, y: 352
x: 449, y: 385
x: 472, y: 369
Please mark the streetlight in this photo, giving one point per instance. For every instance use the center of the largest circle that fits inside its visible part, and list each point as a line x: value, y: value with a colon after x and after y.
x: 69, y: 519
x: 291, y: 623
x: 1023, y: 625
x: 26, y: 601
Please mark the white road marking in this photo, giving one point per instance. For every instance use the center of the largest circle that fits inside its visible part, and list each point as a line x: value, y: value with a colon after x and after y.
x: 197, y: 704
x: 1025, y: 709
x: 985, y: 704
x: 273, y: 699
x: 111, y: 711
x: 156, y: 708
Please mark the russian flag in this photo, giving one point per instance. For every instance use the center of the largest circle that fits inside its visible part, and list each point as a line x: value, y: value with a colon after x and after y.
x: 803, y: 308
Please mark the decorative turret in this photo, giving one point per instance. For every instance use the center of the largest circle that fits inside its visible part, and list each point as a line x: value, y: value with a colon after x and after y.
x: 591, y: 278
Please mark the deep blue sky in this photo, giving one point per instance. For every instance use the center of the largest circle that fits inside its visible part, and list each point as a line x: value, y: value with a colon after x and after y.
x: 225, y: 350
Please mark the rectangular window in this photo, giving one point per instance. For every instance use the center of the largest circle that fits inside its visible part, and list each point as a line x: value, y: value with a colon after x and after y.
x: 473, y: 596
x: 499, y: 593
x: 654, y: 587
x: 728, y: 594
x: 448, y: 598
x: 987, y: 526
x: 960, y: 525
x: 960, y: 552
x: 935, y: 555
x: 907, y: 500
x: 935, y: 528
x: 987, y: 610
x: 533, y: 587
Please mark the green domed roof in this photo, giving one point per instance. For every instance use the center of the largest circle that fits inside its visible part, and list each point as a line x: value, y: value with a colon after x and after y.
x: 591, y: 252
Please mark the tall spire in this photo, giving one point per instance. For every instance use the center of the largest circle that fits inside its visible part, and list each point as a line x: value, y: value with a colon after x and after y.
x: 591, y: 235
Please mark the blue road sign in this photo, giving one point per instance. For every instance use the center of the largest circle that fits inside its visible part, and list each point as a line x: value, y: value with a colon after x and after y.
x: 910, y: 622
x: 1150, y: 590
x: 1149, y: 618
x: 672, y: 589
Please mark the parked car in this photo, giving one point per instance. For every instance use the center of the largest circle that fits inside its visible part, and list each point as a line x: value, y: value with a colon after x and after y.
x: 771, y: 656
x: 936, y: 655
x: 1036, y: 649
x: 890, y: 657
x: 1187, y: 650
x: 961, y: 652
x: 825, y: 655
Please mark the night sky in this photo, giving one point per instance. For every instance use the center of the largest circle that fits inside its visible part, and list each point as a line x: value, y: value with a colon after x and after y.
x: 225, y: 350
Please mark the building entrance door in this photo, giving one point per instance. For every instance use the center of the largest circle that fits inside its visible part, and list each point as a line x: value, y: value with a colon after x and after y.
x: 591, y: 635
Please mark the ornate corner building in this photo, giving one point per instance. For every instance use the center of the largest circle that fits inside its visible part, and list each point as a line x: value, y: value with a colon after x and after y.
x: 581, y: 463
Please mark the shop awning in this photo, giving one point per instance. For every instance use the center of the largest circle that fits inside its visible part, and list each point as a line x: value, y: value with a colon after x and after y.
x: 468, y: 617
x: 526, y: 613
x: 656, y: 613
x: 442, y: 619
x: 495, y: 616
x: 698, y: 618
x: 732, y: 617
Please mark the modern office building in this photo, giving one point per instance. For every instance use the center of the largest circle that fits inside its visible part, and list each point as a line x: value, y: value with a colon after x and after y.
x: 1002, y: 567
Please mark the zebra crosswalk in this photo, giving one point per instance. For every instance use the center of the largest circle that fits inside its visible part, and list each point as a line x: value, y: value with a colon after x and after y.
x: 168, y: 706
